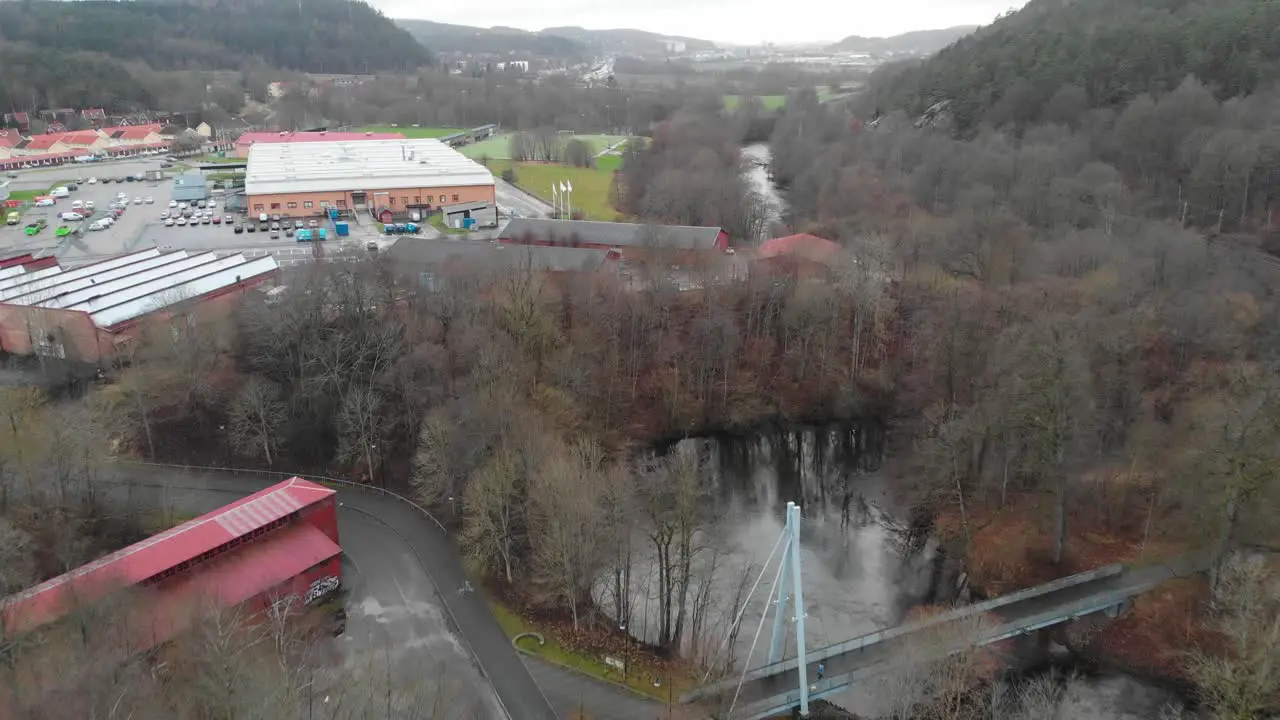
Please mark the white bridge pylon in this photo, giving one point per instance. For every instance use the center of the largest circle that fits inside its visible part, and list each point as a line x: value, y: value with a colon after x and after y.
x: 787, y: 606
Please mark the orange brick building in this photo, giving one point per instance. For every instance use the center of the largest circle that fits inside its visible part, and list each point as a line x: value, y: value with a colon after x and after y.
x: 308, y: 178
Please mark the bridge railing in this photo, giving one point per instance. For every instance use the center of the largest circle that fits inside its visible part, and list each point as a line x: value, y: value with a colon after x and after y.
x: 864, y: 641
x: 783, y: 702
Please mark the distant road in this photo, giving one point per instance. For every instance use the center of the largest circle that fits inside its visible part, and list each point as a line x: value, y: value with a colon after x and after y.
x: 514, y: 200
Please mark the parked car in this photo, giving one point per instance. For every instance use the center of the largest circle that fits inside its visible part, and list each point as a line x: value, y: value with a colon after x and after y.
x: 264, y: 227
x: 200, y: 203
x: 13, y: 218
x: 250, y: 227
x: 298, y: 224
x: 275, y: 218
x: 92, y: 181
x: 227, y: 219
x: 164, y: 214
x: 71, y: 216
x: 205, y: 220
x: 181, y: 220
x: 275, y: 226
x: 168, y: 222
x: 275, y: 234
x: 148, y: 200
x: 239, y: 229
x: 98, y: 225
x: 137, y: 201
x: 73, y: 186
x: 173, y: 203
x: 45, y: 202
x: 88, y: 205
x: 37, y: 226
x: 288, y: 232
x: 107, y: 220
x: 217, y: 219
x: 62, y: 231
x: 314, y: 224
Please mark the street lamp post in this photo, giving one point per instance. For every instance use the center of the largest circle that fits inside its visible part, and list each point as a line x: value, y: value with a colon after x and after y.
x: 626, y: 650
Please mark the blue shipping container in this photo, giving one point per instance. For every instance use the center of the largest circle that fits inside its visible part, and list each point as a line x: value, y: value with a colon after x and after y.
x: 343, y: 229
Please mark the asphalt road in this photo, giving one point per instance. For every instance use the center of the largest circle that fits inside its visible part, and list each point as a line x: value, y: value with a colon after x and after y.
x: 518, y: 203
x: 393, y: 599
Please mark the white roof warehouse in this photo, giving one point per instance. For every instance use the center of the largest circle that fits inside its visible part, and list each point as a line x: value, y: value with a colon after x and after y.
x: 85, y: 313
x: 304, y: 178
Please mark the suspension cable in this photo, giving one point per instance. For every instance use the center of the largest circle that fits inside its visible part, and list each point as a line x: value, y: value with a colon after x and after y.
x: 745, y: 603
x: 756, y: 639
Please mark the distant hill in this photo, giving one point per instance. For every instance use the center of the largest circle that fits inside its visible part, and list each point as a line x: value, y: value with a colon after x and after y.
x: 447, y: 38
x: 330, y: 36
x: 629, y: 42
x: 918, y: 43
x: 31, y: 79
x: 1052, y: 54
x: 557, y: 42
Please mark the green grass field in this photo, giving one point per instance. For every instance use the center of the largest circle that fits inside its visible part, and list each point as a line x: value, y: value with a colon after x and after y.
x: 410, y: 131
x: 498, y: 147
x: 770, y: 102
x: 590, y: 186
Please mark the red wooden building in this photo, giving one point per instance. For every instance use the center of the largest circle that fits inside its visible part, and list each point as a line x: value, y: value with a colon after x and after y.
x: 277, y: 543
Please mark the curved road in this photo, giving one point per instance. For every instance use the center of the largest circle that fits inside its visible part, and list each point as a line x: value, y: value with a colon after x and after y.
x: 388, y: 544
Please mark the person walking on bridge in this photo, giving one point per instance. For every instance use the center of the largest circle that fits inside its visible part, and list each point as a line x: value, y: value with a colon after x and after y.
x: 822, y: 670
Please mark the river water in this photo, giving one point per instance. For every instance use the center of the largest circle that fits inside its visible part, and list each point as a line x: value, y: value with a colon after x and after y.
x: 862, y: 567
x: 757, y: 157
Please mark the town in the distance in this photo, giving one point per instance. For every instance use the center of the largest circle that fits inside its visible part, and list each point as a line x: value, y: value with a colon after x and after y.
x: 921, y: 365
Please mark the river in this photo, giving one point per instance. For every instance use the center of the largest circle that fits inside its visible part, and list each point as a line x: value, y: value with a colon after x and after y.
x: 863, y: 569
x: 757, y: 157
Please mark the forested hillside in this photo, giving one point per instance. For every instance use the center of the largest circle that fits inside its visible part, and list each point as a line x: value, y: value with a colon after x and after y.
x: 445, y: 37
x: 329, y: 36
x: 1112, y: 50
x: 46, y: 79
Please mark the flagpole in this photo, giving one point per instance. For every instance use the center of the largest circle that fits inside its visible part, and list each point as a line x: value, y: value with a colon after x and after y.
x: 569, y: 198
x: 555, y: 202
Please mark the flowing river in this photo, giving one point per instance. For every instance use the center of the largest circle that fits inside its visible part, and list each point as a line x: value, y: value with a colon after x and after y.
x: 757, y: 157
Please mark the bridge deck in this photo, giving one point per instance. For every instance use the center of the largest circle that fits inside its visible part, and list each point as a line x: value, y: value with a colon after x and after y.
x: 775, y: 688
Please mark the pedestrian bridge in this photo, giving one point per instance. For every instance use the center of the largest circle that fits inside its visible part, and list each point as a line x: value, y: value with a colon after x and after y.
x: 779, y: 687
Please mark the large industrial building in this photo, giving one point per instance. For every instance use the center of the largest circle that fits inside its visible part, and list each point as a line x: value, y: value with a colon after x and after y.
x: 303, y: 179
x: 281, y: 542
x: 91, y: 313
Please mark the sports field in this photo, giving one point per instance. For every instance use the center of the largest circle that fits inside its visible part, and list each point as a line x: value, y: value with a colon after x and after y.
x: 770, y: 102
x: 591, y: 187
x: 498, y: 147
x: 410, y: 131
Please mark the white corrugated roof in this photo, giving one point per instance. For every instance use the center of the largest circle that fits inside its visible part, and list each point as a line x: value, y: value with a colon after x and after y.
x: 163, y: 266
x: 8, y: 294
x: 167, y: 291
x: 55, y: 295
x: 11, y: 271
x: 359, y: 165
x: 27, y: 277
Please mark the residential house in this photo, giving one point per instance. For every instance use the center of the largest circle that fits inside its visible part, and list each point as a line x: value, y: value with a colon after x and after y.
x: 20, y: 120
x: 802, y: 256
x: 46, y: 144
x: 139, y: 135
x: 205, y: 130
x: 97, y: 117
x: 665, y: 244
x: 85, y: 141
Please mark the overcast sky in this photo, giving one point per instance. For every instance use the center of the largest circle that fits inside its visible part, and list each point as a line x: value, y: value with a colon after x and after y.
x: 726, y: 21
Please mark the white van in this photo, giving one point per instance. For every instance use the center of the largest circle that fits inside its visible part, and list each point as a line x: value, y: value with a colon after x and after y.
x: 60, y: 192
x: 262, y: 217
x: 71, y: 216
x: 77, y: 205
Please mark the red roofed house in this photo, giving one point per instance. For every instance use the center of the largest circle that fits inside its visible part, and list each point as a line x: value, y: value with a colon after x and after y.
x: 96, y: 116
x: 803, y: 256
x: 246, y: 140
x: 47, y: 144
x: 276, y: 543
x: 84, y: 140
x: 141, y: 135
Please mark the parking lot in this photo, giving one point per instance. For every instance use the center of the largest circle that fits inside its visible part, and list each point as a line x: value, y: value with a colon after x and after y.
x: 139, y: 227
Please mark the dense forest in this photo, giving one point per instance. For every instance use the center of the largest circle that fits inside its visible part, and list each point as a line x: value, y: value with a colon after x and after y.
x: 322, y: 36
x: 49, y: 79
x: 448, y: 38
x: 1102, y: 53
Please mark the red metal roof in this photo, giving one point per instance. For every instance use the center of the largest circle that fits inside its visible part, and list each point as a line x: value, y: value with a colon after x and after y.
x: 16, y: 260
x: 149, y: 127
x: 49, y: 600
x: 275, y: 137
x: 230, y: 579
x: 84, y: 137
x: 43, y: 142
x: 804, y: 245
